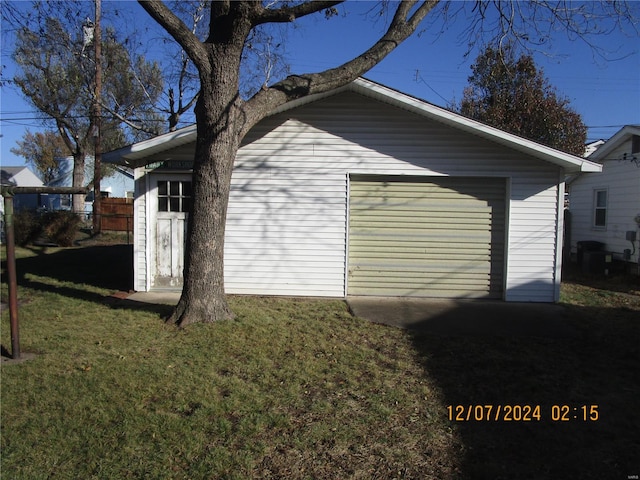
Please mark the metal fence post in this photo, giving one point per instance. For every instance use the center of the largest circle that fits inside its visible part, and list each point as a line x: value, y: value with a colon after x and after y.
x: 12, y: 278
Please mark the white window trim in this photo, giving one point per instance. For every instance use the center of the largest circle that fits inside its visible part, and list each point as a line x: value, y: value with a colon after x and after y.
x: 595, y: 208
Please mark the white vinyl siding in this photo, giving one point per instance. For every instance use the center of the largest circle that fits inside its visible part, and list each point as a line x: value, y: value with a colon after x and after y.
x: 290, y: 183
x: 140, y: 231
x: 621, y: 180
x: 532, y: 239
x: 287, y: 222
x: 285, y: 235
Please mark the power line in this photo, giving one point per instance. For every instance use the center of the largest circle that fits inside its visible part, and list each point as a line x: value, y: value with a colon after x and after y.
x: 419, y: 78
x: 16, y: 119
x: 46, y: 118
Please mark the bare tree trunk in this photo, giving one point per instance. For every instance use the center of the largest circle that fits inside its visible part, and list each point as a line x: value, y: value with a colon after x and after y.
x: 220, y: 120
x: 203, y: 296
x: 78, y: 182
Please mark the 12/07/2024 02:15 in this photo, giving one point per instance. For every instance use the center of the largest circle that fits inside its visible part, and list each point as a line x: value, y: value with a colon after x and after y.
x: 522, y: 413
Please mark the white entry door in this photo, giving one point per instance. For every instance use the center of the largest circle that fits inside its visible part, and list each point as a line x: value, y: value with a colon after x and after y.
x: 171, y: 201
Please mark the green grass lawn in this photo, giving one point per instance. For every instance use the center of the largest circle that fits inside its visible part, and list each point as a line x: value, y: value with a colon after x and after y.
x: 298, y: 388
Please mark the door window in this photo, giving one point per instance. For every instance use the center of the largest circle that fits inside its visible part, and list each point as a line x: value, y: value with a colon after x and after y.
x: 174, y: 196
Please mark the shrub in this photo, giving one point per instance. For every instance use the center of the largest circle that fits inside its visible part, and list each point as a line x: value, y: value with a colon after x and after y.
x: 26, y: 226
x: 59, y: 226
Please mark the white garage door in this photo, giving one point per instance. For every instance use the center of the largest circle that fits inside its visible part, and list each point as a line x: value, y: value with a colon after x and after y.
x: 426, y: 237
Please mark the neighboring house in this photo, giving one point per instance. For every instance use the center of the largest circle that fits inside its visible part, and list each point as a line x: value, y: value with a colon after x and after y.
x: 21, y: 177
x: 365, y: 191
x: 119, y: 183
x: 589, y: 148
x: 605, y: 206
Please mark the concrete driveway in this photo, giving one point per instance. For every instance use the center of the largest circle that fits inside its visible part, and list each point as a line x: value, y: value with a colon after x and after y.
x: 466, y: 317
x: 444, y: 317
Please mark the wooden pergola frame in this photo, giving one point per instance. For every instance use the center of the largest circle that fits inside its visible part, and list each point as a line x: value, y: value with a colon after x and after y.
x: 8, y: 193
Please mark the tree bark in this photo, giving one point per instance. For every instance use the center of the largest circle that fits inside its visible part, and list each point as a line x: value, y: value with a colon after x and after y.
x: 78, y: 182
x: 220, y: 118
x: 203, y: 296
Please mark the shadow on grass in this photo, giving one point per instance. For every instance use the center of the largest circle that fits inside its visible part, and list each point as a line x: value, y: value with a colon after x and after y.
x: 600, y: 366
x: 623, y: 277
x: 106, y: 267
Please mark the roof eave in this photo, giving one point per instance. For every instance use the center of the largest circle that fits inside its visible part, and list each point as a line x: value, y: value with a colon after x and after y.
x: 136, y: 155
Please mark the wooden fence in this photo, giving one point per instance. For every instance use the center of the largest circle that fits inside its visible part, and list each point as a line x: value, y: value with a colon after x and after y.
x: 117, y: 214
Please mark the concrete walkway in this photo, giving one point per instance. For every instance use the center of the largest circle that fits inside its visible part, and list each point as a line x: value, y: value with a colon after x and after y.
x: 442, y: 317
x: 157, y: 297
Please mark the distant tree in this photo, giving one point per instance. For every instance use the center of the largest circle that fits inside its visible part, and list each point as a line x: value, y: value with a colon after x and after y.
x: 131, y: 89
x: 42, y: 150
x: 56, y: 73
x: 515, y: 96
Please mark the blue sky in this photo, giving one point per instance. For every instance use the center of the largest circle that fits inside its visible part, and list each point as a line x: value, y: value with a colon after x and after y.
x: 605, y: 93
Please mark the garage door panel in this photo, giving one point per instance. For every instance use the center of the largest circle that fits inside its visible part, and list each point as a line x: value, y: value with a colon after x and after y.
x: 437, y: 239
x: 435, y: 274
x: 472, y: 255
x: 419, y: 290
x: 436, y: 235
x: 436, y: 278
x: 470, y: 260
x: 431, y: 237
x: 399, y: 216
x: 415, y: 205
x: 441, y: 186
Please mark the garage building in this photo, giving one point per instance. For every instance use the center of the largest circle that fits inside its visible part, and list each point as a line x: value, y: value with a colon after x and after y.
x: 365, y: 191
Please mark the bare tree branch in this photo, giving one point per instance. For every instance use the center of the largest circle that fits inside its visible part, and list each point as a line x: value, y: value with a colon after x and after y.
x: 402, y: 26
x: 532, y: 25
x: 289, y: 14
x: 176, y: 28
x: 136, y: 126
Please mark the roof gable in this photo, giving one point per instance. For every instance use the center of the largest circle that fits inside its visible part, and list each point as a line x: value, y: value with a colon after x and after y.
x: 134, y: 155
x: 19, y: 176
x: 625, y: 134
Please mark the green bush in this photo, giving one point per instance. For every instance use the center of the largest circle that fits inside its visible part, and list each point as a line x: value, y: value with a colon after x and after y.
x: 59, y: 227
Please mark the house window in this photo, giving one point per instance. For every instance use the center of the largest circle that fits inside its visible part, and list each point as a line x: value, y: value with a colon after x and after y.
x: 600, y: 208
x: 65, y: 200
x: 174, y: 196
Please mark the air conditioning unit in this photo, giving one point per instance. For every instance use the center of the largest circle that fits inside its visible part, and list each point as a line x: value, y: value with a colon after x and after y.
x: 598, y: 262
